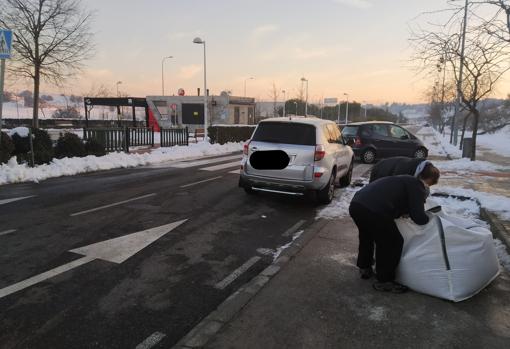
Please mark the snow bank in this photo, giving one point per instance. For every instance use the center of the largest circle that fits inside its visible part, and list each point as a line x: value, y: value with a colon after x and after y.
x: 20, y: 131
x: 498, y: 142
x: 339, y: 207
x: 438, y: 145
x: 13, y: 172
x: 468, y: 166
x: 495, y: 203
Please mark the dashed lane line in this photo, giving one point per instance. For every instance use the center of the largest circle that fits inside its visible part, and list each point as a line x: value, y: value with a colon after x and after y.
x: 205, y: 162
x: 7, y: 201
x: 222, y: 166
x: 151, y: 341
x: 200, y: 182
x: 294, y: 228
x: 236, y: 273
x: 112, y: 205
x: 7, y: 232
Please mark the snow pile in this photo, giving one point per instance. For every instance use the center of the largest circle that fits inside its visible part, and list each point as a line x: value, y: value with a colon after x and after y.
x: 461, y: 208
x: 339, y: 207
x: 504, y: 257
x: 465, y: 165
x: 437, y: 144
x: 496, y: 203
x: 13, y: 172
x: 498, y: 142
x: 20, y: 131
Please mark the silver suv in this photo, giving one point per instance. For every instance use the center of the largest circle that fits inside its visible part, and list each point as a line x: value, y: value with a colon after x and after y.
x: 295, y: 156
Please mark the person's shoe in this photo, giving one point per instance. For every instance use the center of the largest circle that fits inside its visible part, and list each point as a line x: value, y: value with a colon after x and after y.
x: 366, y: 273
x: 390, y: 286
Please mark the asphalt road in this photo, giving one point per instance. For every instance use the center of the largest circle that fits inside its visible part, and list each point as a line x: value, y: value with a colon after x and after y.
x: 159, y: 293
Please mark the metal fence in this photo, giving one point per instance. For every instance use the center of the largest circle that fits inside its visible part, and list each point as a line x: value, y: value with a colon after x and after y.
x: 139, y: 136
x: 174, y: 136
x: 113, y: 139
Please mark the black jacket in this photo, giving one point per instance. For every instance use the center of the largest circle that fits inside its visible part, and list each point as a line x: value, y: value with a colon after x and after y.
x: 395, y: 196
x: 395, y: 166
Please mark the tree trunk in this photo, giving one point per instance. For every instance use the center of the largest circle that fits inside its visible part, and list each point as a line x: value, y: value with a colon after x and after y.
x: 464, y: 131
x: 37, y: 82
x: 476, y: 118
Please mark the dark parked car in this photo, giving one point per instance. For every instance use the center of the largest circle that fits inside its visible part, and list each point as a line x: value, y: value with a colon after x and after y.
x: 379, y: 139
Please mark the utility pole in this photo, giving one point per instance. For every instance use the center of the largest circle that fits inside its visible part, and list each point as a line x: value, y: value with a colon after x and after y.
x: 306, y: 101
x: 284, y: 101
x: 454, y: 130
x: 163, y: 74
x: 346, y: 108
x: 2, y: 77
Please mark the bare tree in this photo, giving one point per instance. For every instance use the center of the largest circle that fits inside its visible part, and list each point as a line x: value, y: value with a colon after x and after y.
x: 51, y: 40
x: 485, y: 62
x: 274, y: 94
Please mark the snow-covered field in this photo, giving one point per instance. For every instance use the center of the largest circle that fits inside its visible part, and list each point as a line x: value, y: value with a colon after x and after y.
x: 12, y: 172
x: 498, y: 142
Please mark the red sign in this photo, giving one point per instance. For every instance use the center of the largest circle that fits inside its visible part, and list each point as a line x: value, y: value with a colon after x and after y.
x: 181, y: 92
x: 173, y: 106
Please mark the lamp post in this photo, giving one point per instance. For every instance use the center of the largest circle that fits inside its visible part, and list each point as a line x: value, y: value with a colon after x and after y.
x: 202, y: 42
x: 117, y: 84
x: 295, y: 103
x: 346, y: 108
x: 365, y: 108
x: 306, y: 98
x: 163, y: 73
x: 251, y: 78
x: 284, y: 101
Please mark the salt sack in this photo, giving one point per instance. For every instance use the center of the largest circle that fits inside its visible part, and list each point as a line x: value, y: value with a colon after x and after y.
x: 449, y: 257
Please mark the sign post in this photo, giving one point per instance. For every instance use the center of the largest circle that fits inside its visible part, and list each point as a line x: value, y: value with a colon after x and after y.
x: 5, y: 53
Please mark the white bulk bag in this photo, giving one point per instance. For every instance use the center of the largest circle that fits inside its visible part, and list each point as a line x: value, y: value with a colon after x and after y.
x: 450, y: 257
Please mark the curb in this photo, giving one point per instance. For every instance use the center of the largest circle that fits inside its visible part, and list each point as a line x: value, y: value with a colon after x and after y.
x: 202, y: 333
x: 497, y: 228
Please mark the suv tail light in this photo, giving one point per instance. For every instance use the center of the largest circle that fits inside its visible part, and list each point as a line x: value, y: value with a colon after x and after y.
x: 320, y: 152
x: 357, y: 141
x: 246, y: 147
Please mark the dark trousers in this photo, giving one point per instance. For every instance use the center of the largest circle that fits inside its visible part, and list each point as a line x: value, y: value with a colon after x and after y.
x: 375, y: 228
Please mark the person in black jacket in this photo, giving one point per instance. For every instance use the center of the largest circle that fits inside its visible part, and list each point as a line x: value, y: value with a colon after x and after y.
x: 374, y: 209
x: 398, y: 165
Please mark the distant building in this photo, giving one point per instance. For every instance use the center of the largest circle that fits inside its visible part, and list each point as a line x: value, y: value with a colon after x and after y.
x: 189, y: 110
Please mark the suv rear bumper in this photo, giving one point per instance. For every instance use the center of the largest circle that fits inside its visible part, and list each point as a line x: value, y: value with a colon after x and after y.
x: 281, y: 185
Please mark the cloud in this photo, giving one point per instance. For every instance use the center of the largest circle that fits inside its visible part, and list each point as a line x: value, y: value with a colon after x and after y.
x: 263, y: 30
x: 189, y: 71
x: 361, y: 4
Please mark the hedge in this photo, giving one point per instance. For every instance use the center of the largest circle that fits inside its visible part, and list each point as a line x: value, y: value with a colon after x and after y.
x: 6, y: 148
x: 69, y: 145
x: 43, y: 147
x: 225, y: 133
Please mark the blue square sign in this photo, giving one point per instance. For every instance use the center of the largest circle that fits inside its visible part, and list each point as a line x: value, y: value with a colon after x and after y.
x: 5, y: 43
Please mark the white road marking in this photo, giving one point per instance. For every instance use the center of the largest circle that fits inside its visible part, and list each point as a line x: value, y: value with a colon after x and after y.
x: 200, y: 182
x: 236, y: 273
x: 222, y: 166
x: 235, y: 172
x: 294, y: 228
x: 112, y: 205
x: 205, y: 162
x: 115, y: 250
x: 6, y: 201
x: 7, y: 232
x: 151, y: 341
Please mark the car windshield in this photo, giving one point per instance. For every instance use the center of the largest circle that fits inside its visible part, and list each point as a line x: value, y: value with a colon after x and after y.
x: 286, y: 133
x: 350, y: 131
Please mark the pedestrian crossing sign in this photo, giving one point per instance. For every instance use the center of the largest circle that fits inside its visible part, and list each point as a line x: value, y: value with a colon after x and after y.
x: 5, y: 43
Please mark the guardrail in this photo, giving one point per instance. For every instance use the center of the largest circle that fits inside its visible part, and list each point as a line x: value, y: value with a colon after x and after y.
x: 174, y: 136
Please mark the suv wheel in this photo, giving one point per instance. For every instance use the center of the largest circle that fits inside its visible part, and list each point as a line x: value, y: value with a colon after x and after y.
x: 326, y: 194
x: 346, y: 180
x: 368, y: 156
x: 420, y: 153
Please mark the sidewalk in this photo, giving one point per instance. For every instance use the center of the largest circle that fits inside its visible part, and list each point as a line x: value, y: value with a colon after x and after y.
x: 318, y: 300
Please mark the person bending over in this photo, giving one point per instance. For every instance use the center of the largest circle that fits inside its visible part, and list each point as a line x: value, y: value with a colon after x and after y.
x: 374, y: 209
x: 398, y: 165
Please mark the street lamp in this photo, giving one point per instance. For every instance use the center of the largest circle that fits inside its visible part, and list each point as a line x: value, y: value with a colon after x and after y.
x: 163, y: 73
x: 284, y: 101
x: 346, y: 107
x: 295, y: 103
x: 306, y: 102
x: 202, y: 42
x: 245, y: 84
x: 365, y: 107
x: 117, y: 84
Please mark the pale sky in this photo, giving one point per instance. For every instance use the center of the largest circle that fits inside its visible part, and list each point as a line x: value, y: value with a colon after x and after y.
x: 357, y: 47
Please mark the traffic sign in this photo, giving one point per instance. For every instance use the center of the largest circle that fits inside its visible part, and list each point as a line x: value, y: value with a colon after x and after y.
x: 5, y: 43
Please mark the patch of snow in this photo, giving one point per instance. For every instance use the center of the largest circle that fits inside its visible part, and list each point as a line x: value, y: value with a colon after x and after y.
x: 465, y: 165
x: 20, y: 131
x: 280, y: 249
x: 498, y: 142
x: 339, y: 207
x: 377, y: 314
x: 496, y: 203
x: 12, y: 172
x: 503, y: 256
x: 457, y: 207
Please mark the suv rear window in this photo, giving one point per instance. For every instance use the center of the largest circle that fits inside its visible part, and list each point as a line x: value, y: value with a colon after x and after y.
x: 286, y: 133
x: 350, y: 131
